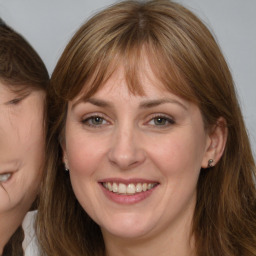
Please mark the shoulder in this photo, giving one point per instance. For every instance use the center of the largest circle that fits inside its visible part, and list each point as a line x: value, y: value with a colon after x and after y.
x: 29, y: 244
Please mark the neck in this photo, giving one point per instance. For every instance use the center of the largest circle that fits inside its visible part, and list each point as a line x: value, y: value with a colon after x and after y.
x: 9, y: 222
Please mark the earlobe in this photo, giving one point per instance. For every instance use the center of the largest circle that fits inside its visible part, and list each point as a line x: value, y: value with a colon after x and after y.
x: 66, y: 167
x: 65, y: 161
x: 210, y: 163
x: 216, y: 143
x: 64, y: 158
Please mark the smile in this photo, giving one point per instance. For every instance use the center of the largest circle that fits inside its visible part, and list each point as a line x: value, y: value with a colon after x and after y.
x: 4, y: 177
x: 129, y: 189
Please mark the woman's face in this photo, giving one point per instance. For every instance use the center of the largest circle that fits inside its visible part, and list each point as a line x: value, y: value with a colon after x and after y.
x: 21, y: 148
x: 135, y: 160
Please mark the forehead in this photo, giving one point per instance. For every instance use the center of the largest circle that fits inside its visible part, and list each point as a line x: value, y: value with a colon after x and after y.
x: 6, y: 91
x: 116, y: 90
x: 141, y: 80
x: 137, y: 72
x: 16, y: 89
x: 118, y: 84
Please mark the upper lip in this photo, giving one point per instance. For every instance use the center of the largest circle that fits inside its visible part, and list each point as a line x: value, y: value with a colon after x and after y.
x: 7, y: 172
x: 3, y: 173
x: 9, y: 167
x: 11, y: 172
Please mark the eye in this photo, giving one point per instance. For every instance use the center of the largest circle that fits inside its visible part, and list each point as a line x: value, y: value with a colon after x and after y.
x: 95, y: 121
x: 160, y: 120
x: 15, y: 101
x: 19, y: 98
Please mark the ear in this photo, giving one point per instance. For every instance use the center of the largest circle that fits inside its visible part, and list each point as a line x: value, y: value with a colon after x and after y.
x: 216, y: 142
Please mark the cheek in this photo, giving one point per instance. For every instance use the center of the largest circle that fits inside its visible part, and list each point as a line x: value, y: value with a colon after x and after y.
x: 33, y: 141
x: 179, y: 153
x: 82, y: 154
x: 83, y: 160
x: 30, y: 127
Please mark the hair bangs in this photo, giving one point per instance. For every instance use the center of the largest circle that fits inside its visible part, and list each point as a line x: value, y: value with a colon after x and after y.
x: 138, y: 57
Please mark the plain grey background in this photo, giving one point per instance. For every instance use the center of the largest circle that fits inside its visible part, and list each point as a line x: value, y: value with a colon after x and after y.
x: 49, y: 24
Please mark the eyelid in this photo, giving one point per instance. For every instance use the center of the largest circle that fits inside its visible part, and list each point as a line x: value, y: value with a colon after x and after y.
x: 89, y: 116
x: 93, y: 114
x: 169, y: 118
x: 14, y: 101
x: 17, y: 99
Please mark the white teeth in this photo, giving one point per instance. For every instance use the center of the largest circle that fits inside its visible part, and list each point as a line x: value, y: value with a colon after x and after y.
x: 129, y: 189
x: 150, y: 185
x: 138, y: 187
x: 144, y: 186
x: 115, y: 188
x: 4, y: 177
x: 121, y: 188
x: 109, y: 186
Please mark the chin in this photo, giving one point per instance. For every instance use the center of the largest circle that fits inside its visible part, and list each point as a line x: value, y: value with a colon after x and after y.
x: 127, y: 228
x: 130, y: 233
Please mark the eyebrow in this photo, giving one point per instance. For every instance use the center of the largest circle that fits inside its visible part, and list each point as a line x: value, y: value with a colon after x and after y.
x: 93, y: 101
x: 145, y: 104
x: 154, y: 103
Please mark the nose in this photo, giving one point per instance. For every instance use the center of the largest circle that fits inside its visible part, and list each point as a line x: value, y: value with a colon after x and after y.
x: 126, y: 150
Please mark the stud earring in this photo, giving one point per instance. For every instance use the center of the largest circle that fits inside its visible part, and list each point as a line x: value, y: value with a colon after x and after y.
x: 66, y: 168
x: 210, y: 163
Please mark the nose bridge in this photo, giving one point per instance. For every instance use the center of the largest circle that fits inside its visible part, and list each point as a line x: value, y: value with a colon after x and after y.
x: 126, y: 151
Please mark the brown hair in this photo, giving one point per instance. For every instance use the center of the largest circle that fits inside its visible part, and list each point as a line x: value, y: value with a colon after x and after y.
x: 20, y: 65
x: 187, y: 60
x: 21, y: 69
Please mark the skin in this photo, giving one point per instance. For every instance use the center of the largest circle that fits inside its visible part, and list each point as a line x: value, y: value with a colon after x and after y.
x: 158, y: 137
x: 22, y: 154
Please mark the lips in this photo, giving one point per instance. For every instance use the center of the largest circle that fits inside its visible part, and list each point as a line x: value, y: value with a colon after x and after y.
x: 128, y: 191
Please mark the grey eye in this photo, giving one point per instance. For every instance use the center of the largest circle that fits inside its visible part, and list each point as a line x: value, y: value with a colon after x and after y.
x: 96, y: 120
x: 160, y: 121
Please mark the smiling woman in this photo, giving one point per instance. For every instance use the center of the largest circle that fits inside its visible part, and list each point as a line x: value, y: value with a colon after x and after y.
x: 152, y: 138
x: 23, y: 80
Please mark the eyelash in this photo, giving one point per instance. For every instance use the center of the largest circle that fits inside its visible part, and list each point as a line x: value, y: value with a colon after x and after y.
x: 86, y: 121
x: 15, y: 101
x: 167, y: 120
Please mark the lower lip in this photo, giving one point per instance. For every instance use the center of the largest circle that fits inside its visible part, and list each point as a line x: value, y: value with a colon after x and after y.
x: 127, y: 199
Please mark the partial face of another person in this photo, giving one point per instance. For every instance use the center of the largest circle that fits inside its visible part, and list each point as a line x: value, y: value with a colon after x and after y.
x: 135, y: 160
x: 21, y: 147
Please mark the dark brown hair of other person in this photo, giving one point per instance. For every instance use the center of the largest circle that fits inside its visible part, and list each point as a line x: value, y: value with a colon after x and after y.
x: 21, y: 69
